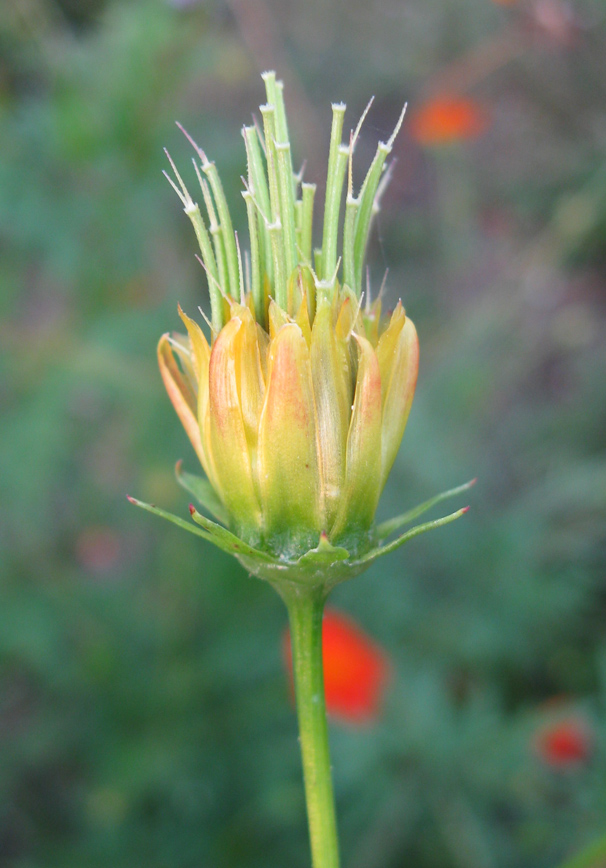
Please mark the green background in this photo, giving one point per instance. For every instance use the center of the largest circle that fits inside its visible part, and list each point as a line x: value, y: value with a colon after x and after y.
x: 144, y: 713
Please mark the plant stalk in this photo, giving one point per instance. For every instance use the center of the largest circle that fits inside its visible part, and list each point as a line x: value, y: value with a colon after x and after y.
x: 305, y: 608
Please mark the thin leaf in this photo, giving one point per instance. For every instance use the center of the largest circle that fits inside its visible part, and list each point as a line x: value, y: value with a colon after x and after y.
x: 393, y: 524
x: 209, y: 531
x: 228, y: 541
x: 410, y: 534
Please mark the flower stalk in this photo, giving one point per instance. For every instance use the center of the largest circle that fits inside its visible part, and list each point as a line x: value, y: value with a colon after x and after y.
x: 305, y: 610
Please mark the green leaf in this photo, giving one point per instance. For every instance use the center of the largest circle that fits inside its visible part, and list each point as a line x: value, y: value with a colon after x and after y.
x: 202, y: 490
x: 393, y: 524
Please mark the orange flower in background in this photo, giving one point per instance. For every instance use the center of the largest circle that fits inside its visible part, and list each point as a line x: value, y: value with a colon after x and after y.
x: 356, y: 670
x: 98, y: 549
x: 565, y: 743
x: 446, y: 119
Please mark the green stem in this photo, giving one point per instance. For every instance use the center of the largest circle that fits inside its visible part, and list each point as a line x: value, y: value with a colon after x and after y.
x: 305, y: 608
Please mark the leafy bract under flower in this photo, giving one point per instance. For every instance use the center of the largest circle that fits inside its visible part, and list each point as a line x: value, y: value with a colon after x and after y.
x: 325, y: 564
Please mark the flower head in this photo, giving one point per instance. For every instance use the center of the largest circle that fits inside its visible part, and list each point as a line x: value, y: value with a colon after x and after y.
x: 356, y: 670
x: 446, y: 119
x: 297, y: 400
x: 564, y: 743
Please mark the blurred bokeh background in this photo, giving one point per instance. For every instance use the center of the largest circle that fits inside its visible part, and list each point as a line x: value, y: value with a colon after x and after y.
x: 145, y: 716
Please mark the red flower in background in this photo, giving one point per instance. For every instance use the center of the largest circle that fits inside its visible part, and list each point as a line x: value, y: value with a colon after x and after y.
x: 356, y: 670
x: 446, y: 119
x: 565, y: 743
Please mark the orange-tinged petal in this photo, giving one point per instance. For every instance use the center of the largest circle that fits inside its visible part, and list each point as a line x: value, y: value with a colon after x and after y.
x: 386, y: 347
x: 200, y: 361
x: 345, y: 319
x: 332, y: 383
x: 250, y: 380
x: 362, y: 487
x: 180, y: 393
x: 182, y: 349
x: 227, y: 433
x: 199, y: 345
x: 398, y: 356
x: 289, y: 479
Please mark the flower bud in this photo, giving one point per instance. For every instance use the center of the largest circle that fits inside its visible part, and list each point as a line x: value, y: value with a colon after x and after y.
x: 298, y: 401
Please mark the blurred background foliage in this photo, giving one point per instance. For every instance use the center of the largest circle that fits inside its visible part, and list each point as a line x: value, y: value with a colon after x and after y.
x: 144, y: 711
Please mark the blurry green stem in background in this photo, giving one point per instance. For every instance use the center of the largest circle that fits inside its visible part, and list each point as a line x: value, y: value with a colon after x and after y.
x: 593, y: 856
x: 305, y: 609
x: 457, y: 208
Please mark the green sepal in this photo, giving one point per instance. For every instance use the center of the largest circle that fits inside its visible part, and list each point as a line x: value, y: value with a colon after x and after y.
x: 202, y: 490
x: 381, y: 550
x: 228, y: 541
x: 324, y: 566
x: 386, y: 528
x: 210, y: 531
x: 324, y: 554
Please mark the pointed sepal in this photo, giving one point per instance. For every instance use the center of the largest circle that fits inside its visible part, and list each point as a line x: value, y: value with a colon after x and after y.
x: 325, y: 554
x: 226, y: 540
x: 378, y: 552
x: 386, y: 528
x: 203, y: 491
x: 208, y: 530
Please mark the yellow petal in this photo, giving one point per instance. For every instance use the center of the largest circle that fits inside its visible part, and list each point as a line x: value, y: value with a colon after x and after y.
x: 333, y: 389
x: 302, y: 320
x: 301, y: 286
x: 345, y: 318
x: 277, y: 319
x: 263, y: 341
x: 372, y: 321
x: 182, y: 349
x: 227, y: 433
x: 199, y: 344
x: 362, y: 486
x: 180, y: 393
x: 200, y: 356
x: 250, y: 381
x: 398, y: 355
x: 288, y: 462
